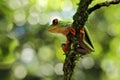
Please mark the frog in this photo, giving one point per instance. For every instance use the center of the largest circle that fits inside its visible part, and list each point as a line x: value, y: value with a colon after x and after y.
x: 65, y: 27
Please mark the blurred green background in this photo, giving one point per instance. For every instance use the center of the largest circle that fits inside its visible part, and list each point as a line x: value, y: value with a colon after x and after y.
x: 29, y: 52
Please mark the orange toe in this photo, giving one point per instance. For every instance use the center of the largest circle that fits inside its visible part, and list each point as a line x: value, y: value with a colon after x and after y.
x: 64, y: 47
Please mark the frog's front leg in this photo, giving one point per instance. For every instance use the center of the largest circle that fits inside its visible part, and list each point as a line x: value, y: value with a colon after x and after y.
x: 65, y: 46
x: 72, y: 31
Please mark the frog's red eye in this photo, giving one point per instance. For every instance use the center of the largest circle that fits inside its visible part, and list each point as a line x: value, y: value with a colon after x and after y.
x: 55, y: 21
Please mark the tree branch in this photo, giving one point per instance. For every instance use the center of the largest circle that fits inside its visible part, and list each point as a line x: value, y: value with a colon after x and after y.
x: 81, y: 15
x: 103, y: 4
x: 79, y: 18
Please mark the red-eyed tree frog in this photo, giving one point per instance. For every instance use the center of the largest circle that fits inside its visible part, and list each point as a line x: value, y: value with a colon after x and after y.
x: 85, y: 46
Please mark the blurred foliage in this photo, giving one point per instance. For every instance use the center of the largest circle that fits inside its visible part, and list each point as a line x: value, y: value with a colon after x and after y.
x: 29, y: 52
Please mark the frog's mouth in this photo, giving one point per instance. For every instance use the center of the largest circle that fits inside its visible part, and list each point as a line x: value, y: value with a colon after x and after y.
x: 61, y: 30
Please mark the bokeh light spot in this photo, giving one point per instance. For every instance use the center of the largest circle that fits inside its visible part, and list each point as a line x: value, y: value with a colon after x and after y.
x: 19, y: 31
x: 88, y: 62
x: 59, y: 69
x: 42, y: 3
x: 110, y: 68
x: 46, y: 70
x: 15, y: 4
x: 27, y: 55
x: 66, y: 5
x: 79, y: 75
x: 20, y: 72
x: 33, y: 18
x: 45, y: 53
x: 19, y: 17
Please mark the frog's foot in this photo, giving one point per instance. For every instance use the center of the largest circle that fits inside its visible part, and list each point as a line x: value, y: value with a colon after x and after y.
x: 81, y: 49
x: 64, y: 47
x: 82, y: 34
x: 72, y: 31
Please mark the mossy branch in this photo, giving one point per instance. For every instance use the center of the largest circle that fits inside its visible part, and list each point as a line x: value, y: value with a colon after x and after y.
x: 81, y: 15
x: 80, y: 19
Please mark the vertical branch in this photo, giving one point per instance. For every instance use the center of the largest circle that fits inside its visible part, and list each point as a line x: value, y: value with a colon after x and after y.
x: 79, y: 18
x: 69, y: 65
x: 81, y: 15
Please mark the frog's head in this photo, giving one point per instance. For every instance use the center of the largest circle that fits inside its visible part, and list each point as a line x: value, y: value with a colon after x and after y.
x: 59, y: 26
